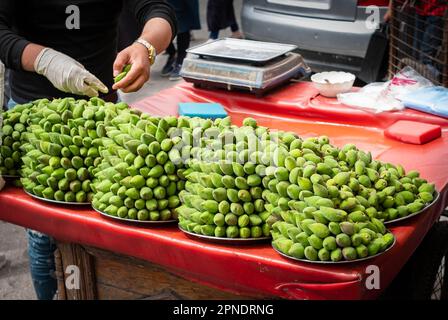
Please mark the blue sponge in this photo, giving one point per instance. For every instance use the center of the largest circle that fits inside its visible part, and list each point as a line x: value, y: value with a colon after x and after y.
x: 202, y: 110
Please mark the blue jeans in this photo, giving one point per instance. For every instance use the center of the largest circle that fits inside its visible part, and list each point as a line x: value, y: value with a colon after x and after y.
x: 41, y: 255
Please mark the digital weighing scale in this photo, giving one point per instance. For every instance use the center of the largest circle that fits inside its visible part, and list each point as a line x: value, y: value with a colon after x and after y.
x: 236, y: 64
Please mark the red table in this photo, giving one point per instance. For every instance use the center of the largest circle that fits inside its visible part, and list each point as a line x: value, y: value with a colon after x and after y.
x: 258, y: 270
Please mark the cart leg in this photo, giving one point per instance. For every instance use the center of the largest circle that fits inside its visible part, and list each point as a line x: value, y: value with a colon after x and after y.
x: 73, y: 262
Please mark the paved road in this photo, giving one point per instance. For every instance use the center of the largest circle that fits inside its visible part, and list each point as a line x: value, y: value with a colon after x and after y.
x: 15, y: 281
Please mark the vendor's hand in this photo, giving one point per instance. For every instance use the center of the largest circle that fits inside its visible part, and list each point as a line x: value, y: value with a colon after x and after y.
x: 66, y: 74
x: 137, y: 56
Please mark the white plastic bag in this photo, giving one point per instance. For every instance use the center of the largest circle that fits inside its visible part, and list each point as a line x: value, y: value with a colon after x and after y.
x: 382, y: 96
x: 373, y: 97
x: 407, y: 80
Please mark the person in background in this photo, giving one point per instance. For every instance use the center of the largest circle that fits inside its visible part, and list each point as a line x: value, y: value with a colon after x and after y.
x: 427, y: 30
x: 187, y: 13
x: 221, y: 15
x: 75, y: 61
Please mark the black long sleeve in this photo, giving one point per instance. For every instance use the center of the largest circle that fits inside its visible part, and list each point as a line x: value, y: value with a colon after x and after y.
x: 145, y: 10
x: 94, y: 44
x: 11, y: 44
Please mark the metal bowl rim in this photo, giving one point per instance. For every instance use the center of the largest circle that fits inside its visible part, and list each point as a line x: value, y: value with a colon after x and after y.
x: 338, y: 262
x: 225, y: 240
x: 133, y: 221
x: 56, y: 201
x: 390, y: 222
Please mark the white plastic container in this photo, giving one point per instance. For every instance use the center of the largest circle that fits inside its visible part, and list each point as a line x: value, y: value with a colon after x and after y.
x: 330, y: 84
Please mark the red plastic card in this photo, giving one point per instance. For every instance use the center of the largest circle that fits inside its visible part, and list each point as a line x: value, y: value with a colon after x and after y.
x: 413, y: 132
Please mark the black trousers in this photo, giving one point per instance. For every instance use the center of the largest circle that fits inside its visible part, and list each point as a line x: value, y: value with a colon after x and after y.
x: 221, y: 15
x: 183, y: 42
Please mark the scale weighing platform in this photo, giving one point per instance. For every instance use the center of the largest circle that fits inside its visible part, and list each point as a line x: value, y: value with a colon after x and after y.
x: 236, y: 64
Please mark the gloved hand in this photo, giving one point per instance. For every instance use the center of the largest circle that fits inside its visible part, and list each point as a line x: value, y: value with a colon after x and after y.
x: 67, y: 74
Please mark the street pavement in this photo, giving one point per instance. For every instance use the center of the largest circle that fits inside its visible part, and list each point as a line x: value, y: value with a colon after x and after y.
x: 15, y: 280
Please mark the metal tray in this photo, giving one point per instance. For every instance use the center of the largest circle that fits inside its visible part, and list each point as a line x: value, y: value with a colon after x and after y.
x: 242, y: 50
x: 160, y: 222
x: 229, y: 241
x: 415, y: 213
x: 58, y: 202
x: 339, y: 262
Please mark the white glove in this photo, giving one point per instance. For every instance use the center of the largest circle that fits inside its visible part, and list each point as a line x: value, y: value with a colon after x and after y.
x: 67, y: 74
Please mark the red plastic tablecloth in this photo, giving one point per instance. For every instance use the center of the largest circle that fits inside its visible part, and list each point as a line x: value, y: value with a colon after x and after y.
x: 258, y: 270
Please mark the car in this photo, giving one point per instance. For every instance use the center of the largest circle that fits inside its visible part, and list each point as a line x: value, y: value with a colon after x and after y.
x: 330, y: 34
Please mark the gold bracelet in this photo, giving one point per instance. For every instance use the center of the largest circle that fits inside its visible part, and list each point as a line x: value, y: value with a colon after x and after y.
x: 151, y: 49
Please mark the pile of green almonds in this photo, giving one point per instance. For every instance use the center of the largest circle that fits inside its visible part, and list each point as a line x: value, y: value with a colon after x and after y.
x: 318, y: 201
x: 242, y: 180
x: 14, y: 125
x: 223, y: 196
x: 62, y: 148
x: 348, y: 177
x: 141, y: 174
x: 326, y: 234
x: 331, y: 203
